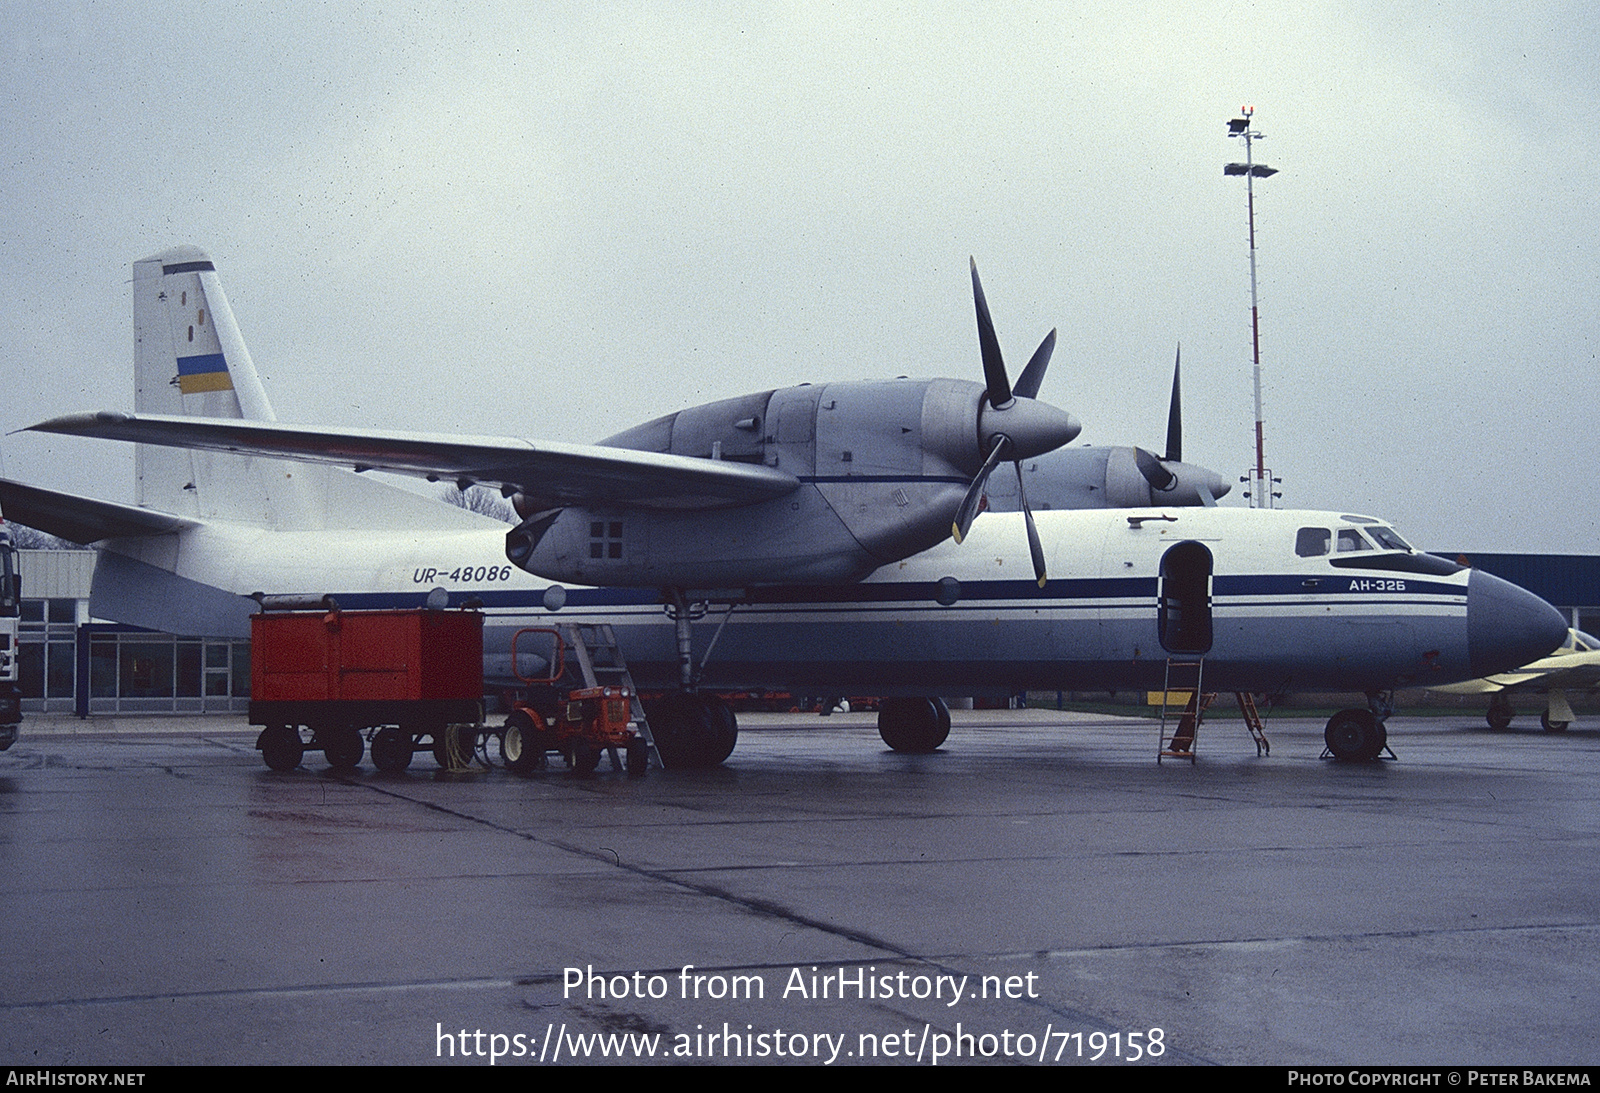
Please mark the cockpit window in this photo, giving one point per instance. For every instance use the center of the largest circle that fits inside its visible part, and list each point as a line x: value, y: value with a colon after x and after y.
x: 1312, y: 542
x: 1388, y: 540
x: 1351, y: 539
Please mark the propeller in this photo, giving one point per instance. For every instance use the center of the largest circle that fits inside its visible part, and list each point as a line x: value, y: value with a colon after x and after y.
x: 1175, y: 415
x: 1153, y: 466
x: 1011, y: 424
x: 1168, y: 473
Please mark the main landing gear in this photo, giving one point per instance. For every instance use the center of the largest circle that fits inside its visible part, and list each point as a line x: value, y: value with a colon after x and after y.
x: 1556, y: 717
x: 692, y: 731
x: 913, y: 725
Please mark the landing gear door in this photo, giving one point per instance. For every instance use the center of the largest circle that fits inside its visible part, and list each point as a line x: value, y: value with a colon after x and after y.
x: 1184, y: 600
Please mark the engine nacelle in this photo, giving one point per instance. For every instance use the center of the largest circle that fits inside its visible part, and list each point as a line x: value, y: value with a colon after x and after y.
x: 882, y: 465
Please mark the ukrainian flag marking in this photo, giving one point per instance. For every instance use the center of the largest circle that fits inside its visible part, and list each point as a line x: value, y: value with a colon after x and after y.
x: 208, y: 372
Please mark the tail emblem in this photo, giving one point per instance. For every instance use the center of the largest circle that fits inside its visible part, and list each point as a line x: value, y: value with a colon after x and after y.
x: 206, y: 372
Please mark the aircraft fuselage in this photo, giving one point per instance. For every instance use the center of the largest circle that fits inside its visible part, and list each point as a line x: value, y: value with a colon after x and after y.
x: 953, y: 620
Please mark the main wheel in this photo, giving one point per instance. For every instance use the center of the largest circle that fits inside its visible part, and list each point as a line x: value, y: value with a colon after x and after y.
x: 280, y: 747
x: 342, y: 745
x: 1552, y: 726
x: 724, y: 730
x: 391, y: 750
x: 1500, y: 713
x: 914, y: 725
x: 692, y: 731
x: 1355, y: 736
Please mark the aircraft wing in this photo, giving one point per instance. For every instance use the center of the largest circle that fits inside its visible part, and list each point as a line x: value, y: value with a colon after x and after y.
x: 557, y: 472
x: 1563, y: 671
x: 81, y: 519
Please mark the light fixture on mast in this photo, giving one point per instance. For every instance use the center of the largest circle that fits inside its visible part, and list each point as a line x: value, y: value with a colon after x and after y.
x: 1260, y: 493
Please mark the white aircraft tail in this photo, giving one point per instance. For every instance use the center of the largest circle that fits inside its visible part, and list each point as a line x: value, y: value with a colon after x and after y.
x: 189, y: 358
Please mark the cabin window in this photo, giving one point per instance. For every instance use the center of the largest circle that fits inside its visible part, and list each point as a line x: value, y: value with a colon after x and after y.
x: 1351, y: 539
x: 1312, y: 542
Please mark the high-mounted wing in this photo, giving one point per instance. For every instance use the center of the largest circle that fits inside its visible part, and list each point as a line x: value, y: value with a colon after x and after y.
x: 586, y: 474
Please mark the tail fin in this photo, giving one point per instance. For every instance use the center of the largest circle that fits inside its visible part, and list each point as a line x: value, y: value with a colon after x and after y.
x: 189, y: 358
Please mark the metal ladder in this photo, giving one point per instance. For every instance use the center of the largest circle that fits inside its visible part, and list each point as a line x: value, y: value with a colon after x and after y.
x: 600, y: 661
x: 1252, y: 721
x: 1180, y: 742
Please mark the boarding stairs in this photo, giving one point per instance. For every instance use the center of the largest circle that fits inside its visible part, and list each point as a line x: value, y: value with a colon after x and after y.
x: 1179, y: 743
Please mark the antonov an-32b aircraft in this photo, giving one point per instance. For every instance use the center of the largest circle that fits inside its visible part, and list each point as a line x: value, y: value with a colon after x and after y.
x: 815, y: 521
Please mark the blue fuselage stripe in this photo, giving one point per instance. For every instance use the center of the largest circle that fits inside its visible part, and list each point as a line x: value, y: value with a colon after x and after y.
x: 1111, y: 593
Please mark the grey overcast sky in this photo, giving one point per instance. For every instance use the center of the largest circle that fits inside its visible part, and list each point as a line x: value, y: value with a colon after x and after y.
x: 556, y: 220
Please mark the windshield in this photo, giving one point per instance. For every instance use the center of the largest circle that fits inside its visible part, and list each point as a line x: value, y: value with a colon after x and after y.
x: 1388, y: 540
x: 10, y: 580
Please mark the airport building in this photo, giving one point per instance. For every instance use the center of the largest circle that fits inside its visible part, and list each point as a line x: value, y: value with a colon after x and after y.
x: 69, y: 662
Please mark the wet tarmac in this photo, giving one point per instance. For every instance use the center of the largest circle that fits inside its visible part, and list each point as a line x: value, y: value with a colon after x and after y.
x: 1039, y: 890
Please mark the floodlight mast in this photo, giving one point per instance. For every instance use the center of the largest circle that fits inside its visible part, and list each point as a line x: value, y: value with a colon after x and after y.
x: 1260, y: 494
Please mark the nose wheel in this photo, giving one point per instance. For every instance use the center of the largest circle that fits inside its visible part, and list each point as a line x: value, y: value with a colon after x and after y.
x: 1355, y: 736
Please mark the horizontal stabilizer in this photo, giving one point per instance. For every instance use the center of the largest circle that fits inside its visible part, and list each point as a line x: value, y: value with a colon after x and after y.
x: 563, y: 473
x: 82, y: 519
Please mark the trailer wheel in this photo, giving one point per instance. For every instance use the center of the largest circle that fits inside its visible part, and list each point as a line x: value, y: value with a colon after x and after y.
x: 391, y: 750
x: 280, y: 747
x: 342, y: 746
x: 453, y: 745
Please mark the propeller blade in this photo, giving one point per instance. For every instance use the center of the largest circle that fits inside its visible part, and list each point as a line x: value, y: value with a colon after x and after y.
x: 994, y: 367
x: 968, y: 511
x: 1175, y: 416
x: 1154, y: 473
x: 1035, y: 547
x: 1033, y: 375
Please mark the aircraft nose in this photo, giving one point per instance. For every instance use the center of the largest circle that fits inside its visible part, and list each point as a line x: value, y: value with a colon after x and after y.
x: 1508, y: 626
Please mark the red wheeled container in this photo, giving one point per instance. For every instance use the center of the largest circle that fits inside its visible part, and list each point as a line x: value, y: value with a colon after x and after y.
x: 409, y: 676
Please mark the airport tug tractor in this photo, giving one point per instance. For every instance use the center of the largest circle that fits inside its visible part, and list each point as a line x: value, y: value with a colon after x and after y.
x: 591, y: 721
x: 578, y: 724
